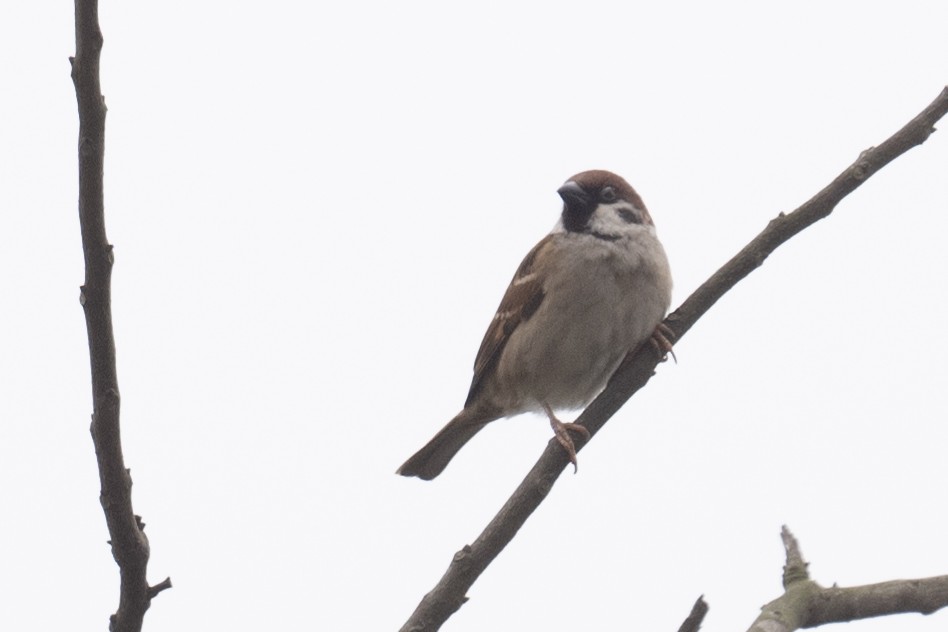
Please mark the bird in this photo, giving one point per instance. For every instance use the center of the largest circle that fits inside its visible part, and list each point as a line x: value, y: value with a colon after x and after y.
x: 591, y: 291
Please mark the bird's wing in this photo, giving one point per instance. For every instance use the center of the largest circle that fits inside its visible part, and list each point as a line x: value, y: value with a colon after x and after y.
x: 521, y: 300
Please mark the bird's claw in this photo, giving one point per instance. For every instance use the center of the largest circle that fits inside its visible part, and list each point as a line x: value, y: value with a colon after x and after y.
x: 661, y: 340
x: 561, y: 432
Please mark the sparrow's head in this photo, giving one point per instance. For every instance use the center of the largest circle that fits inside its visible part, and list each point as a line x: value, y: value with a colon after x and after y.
x: 602, y: 204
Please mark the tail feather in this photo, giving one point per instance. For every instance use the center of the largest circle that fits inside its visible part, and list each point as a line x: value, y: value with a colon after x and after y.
x: 437, y: 453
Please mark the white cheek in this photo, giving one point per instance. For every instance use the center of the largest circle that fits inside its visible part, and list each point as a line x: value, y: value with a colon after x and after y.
x: 606, y: 221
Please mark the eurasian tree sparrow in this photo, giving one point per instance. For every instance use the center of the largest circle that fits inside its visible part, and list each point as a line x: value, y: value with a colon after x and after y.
x: 590, y: 292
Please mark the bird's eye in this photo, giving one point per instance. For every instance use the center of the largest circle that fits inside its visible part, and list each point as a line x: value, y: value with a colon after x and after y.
x: 608, y: 194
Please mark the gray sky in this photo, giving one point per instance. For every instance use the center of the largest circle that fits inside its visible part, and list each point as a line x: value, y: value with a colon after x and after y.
x: 315, y: 212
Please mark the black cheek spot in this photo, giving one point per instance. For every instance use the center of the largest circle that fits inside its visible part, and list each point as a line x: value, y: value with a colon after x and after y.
x: 629, y: 216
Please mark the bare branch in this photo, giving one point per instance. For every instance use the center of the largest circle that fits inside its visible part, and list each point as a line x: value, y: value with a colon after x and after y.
x: 834, y: 605
x: 795, y: 568
x: 806, y: 604
x: 694, y: 620
x: 129, y: 544
x: 450, y: 592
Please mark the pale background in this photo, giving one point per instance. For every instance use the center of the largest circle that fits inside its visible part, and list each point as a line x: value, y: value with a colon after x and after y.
x: 315, y: 211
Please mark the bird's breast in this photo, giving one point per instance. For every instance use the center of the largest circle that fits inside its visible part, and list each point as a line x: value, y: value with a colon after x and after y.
x: 601, y: 301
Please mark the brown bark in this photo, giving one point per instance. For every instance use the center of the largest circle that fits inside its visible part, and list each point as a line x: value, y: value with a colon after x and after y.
x: 126, y: 530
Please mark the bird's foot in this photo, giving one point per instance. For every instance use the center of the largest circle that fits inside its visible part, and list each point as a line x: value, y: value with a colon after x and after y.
x: 661, y: 340
x: 561, y: 432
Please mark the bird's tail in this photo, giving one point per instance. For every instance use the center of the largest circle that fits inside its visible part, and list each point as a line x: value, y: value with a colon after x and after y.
x: 437, y: 453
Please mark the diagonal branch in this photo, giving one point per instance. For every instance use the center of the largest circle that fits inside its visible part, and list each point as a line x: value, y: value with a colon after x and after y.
x: 468, y: 563
x: 126, y: 530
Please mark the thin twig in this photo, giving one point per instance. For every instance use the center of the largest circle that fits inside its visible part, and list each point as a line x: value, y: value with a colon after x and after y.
x: 450, y: 592
x: 795, y: 568
x: 696, y: 617
x: 129, y: 544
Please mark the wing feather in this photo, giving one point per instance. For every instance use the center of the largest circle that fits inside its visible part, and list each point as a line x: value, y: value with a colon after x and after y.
x: 521, y: 300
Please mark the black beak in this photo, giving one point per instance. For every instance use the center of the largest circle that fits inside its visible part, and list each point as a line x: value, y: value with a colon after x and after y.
x: 573, y: 194
x: 577, y: 206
